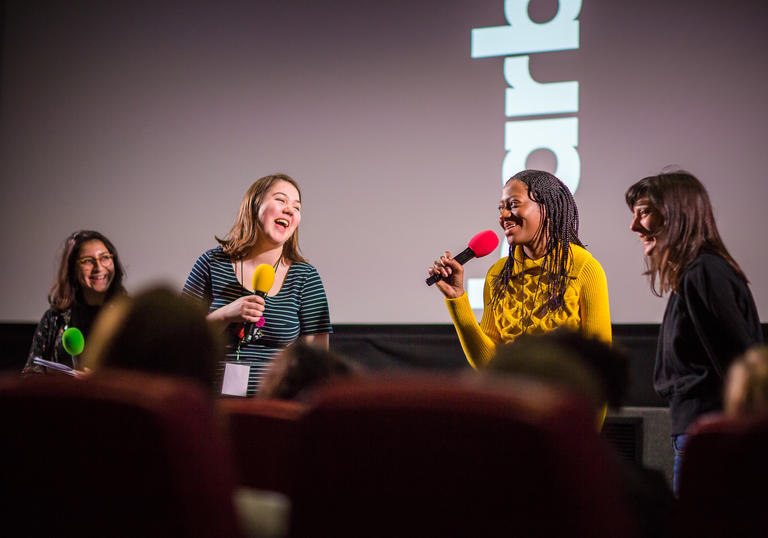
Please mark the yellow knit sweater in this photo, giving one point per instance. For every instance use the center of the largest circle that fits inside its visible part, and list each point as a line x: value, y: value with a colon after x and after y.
x: 520, y: 311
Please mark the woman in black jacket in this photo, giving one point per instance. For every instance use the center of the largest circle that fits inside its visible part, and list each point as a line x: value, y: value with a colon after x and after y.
x: 710, y: 316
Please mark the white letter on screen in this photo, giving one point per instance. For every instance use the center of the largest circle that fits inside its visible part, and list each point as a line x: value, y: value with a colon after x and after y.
x: 526, y: 97
x: 523, y: 35
x: 561, y: 136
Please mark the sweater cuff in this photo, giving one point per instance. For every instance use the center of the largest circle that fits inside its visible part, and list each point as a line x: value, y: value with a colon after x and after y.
x: 460, y: 310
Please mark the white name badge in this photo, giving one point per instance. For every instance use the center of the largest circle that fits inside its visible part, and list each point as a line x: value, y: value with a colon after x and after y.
x: 235, y: 379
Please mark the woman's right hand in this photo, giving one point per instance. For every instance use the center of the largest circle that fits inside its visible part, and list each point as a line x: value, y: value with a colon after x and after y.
x: 452, y: 283
x: 246, y: 309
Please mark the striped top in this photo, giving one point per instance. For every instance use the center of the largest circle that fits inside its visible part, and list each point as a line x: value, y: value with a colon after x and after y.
x: 299, y: 308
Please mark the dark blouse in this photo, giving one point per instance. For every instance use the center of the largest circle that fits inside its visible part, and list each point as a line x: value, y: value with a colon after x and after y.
x: 46, y: 343
x: 709, y: 320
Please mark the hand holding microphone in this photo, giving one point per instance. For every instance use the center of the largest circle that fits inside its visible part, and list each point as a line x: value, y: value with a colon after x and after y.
x: 448, y: 272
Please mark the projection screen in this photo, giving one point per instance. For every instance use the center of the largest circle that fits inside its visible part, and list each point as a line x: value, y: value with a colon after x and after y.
x: 148, y: 121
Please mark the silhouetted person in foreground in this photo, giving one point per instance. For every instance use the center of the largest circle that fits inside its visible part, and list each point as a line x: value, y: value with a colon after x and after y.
x: 160, y: 332
x: 300, y: 367
x: 598, y: 373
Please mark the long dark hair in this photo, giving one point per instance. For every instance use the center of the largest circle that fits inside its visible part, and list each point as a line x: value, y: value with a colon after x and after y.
x: 560, y: 223
x: 687, y: 226
x: 66, y: 291
x: 241, y: 237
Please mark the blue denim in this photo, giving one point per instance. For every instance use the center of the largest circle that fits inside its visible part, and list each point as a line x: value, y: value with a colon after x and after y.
x: 678, y: 446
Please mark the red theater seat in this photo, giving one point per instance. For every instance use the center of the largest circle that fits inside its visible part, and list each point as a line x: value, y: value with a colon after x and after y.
x: 118, y: 454
x: 427, y: 456
x: 264, y: 438
x: 723, y: 479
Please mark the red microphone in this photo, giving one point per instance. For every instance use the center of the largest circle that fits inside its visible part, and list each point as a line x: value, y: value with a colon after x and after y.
x: 482, y: 244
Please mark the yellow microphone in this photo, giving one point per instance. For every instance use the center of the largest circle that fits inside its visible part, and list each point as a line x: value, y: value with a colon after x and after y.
x: 263, y: 278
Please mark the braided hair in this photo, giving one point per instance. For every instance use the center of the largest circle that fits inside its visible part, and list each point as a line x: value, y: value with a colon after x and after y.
x: 560, y: 223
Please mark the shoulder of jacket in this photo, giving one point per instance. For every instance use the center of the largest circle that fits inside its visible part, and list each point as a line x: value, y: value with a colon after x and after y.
x: 707, y: 266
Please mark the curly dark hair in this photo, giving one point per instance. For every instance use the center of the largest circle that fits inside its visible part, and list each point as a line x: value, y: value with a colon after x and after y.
x: 560, y: 223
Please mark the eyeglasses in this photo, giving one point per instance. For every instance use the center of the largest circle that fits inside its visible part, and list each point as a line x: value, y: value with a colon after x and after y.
x: 105, y: 260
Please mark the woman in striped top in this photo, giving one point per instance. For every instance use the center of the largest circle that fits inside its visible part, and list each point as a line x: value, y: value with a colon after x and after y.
x: 265, y: 232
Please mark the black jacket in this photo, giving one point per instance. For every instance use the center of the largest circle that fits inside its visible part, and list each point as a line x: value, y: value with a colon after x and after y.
x: 709, y: 320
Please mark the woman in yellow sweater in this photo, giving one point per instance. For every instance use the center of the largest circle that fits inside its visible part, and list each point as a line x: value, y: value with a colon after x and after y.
x: 548, y: 280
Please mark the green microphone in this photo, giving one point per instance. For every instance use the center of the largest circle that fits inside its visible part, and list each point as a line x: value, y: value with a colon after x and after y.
x: 73, y: 341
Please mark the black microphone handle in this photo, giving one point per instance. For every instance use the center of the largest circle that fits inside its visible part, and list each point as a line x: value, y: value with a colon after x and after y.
x: 250, y: 328
x: 248, y: 333
x: 462, y: 257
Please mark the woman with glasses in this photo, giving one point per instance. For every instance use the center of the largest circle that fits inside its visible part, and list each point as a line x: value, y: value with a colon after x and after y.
x: 89, y: 275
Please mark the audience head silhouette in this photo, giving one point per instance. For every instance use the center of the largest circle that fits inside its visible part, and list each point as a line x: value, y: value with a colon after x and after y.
x: 585, y: 366
x: 746, y: 385
x: 158, y: 331
x: 302, y: 366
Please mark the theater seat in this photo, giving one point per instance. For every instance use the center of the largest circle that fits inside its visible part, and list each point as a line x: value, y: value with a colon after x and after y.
x: 723, y: 479
x: 263, y: 435
x: 432, y: 456
x: 118, y: 454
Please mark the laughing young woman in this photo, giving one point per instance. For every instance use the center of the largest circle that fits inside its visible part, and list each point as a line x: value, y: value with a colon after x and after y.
x: 710, y: 317
x: 548, y: 280
x: 265, y: 232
